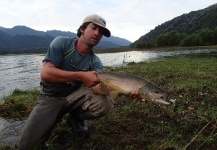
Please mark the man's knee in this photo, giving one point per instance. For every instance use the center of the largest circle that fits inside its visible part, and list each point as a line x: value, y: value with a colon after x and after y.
x: 105, y: 107
x: 97, y: 107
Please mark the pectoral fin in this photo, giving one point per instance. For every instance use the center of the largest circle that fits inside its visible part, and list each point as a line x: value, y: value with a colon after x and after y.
x: 102, y: 87
x: 113, y: 94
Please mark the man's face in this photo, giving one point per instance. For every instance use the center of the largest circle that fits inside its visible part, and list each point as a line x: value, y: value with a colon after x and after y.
x: 92, y: 34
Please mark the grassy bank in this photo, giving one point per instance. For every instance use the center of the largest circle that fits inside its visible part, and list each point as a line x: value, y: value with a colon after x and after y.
x: 188, y: 123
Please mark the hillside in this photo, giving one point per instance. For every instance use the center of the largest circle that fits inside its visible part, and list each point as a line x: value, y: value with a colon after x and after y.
x: 22, y: 39
x: 186, y: 23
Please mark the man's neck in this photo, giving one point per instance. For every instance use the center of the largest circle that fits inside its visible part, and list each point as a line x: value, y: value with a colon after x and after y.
x: 82, y: 48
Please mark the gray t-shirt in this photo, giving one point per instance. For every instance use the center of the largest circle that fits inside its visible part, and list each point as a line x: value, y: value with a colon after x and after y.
x: 63, y: 54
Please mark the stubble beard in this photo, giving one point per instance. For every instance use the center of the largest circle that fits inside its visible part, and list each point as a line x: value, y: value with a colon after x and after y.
x: 89, y: 41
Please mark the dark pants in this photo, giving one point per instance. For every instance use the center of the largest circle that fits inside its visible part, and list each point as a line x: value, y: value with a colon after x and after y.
x: 49, y: 110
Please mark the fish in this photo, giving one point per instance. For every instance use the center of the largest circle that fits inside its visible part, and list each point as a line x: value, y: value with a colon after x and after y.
x: 125, y: 83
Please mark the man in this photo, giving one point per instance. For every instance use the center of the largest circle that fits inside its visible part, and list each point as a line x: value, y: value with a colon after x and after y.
x: 69, y: 84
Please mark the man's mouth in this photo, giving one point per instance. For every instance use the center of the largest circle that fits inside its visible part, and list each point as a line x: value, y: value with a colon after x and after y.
x: 95, y: 39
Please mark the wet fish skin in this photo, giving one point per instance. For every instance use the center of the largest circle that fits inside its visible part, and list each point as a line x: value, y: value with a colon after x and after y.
x: 124, y: 83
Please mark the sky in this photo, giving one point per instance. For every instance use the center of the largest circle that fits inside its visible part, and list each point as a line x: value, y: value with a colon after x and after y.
x: 128, y: 19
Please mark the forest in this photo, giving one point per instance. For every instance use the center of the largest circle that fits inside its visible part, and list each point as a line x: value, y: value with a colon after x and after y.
x: 192, y: 29
x: 202, y: 37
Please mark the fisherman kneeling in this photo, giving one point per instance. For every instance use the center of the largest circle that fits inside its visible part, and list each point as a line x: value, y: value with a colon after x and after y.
x: 69, y: 84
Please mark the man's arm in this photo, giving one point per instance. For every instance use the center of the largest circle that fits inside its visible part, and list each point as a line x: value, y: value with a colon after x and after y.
x: 52, y: 74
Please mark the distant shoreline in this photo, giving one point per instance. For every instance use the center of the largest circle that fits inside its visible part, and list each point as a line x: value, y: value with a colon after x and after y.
x: 169, y: 48
x: 127, y: 49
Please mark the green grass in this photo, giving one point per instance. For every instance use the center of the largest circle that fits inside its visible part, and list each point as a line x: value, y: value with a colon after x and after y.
x: 189, y: 123
x: 19, y: 104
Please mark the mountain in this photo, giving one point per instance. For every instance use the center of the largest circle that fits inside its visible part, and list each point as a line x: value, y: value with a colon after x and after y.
x: 26, y: 35
x: 106, y: 44
x: 21, y: 30
x: 117, y: 40
x: 55, y: 33
x: 30, y: 41
x: 186, y: 23
x: 4, y: 38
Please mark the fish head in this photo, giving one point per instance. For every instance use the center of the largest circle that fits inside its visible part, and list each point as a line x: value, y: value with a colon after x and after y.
x: 153, y: 96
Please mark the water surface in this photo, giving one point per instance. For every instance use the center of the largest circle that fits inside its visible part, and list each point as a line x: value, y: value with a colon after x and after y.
x: 22, y: 71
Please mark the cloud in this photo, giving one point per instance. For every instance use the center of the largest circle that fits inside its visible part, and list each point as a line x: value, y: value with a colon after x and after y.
x: 125, y: 18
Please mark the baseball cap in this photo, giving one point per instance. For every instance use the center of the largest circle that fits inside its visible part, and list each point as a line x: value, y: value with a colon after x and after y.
x: 98, y: 20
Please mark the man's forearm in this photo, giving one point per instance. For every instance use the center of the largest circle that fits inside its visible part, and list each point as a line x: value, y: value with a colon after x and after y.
x: 50, y: 73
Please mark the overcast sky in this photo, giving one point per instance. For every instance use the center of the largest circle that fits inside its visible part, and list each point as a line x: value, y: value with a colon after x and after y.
x: 129, y: 19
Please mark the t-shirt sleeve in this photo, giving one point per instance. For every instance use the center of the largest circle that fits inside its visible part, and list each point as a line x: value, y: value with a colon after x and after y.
x: 97, y: 64
x: 55, y: 52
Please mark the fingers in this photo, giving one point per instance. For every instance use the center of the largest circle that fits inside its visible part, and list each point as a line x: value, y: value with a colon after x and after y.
x: 135, y: 95
x: 145, y: 101
x: 91, y: 79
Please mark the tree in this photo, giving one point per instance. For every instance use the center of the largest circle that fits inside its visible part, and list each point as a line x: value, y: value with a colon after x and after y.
x: 192, y: 40
x: 170, y: 39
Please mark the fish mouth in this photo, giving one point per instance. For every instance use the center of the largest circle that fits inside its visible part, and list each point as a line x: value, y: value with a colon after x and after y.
x: 153, y: 96
x: 160, y: 101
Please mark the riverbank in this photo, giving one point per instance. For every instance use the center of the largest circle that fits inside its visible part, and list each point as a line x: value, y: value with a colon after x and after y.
x: 188, y: 123
x: 169, y: 48
x: 127, y: 49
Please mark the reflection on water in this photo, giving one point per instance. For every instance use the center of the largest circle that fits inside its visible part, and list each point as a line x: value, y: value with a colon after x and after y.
x: 117, y: 59
x: 22, y: 71
x: 138, y: 56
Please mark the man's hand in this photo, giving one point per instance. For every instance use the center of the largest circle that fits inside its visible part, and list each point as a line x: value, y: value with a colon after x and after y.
x: 89, y: 78
x: 135, y: 95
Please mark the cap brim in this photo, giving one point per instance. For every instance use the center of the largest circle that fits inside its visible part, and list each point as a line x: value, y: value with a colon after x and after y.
x: 106, y: 32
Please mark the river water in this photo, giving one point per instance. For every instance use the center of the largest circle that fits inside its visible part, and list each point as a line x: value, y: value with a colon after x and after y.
x: 22, y: 72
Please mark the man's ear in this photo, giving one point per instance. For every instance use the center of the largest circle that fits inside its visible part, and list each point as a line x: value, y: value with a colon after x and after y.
x: 81, y: 30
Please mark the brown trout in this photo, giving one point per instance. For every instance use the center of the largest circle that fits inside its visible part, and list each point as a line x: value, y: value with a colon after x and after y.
x: 123, y: 83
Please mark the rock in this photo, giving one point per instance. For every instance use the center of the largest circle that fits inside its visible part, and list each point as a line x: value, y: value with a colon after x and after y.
x: 9, y: 131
